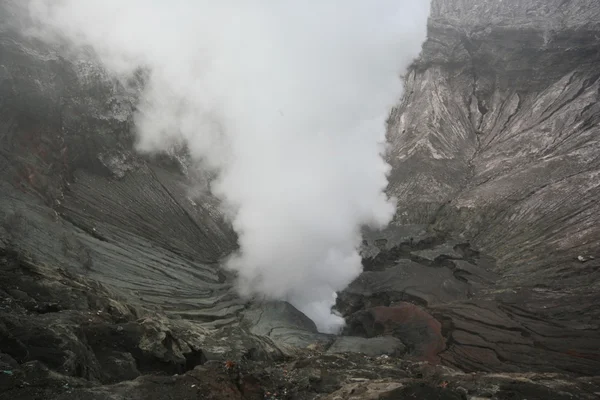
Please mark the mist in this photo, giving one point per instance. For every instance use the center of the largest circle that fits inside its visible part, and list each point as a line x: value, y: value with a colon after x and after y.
x: 285, y: 101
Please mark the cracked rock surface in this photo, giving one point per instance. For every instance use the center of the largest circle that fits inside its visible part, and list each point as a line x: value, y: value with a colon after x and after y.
x: 496, y: 139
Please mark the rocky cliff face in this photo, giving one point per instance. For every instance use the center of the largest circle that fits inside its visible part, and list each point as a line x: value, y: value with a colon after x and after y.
x: 486, y: 285
x: 497, y: 137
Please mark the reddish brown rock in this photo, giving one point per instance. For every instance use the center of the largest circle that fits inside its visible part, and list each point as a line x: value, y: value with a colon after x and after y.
x: 414, y: 326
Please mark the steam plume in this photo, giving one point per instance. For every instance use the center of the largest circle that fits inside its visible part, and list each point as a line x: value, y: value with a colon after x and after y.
x: 286, y: 100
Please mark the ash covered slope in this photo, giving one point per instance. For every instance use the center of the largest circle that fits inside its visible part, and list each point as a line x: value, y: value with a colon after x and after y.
x: 498, y: 137
x: 74, y: 193
x: 500, y: 119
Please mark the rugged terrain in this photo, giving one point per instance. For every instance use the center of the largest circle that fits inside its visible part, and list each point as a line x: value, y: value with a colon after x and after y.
x: 497, y: 139
x: 485, y: 286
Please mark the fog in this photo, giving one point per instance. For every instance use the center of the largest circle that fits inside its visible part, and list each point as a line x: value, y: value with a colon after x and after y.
x: 285, y: 101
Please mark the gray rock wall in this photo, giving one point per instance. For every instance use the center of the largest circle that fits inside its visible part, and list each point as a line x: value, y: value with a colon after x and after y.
x: 497, y: 137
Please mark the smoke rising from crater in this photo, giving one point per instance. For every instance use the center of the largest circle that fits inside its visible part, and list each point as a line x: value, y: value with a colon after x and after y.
x: 285, y: 100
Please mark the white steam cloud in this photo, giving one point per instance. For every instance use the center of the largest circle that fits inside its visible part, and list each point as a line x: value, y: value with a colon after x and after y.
x: 286, y: 100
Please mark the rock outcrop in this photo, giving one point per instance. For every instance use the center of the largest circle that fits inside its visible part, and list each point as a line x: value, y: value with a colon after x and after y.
x: 444, y: 301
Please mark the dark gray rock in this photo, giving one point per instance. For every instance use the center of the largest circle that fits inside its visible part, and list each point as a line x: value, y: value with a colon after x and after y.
x: 452, y: 310
x: 92, y: 333
x: 285, y: 325
x: 374, y: 242
x: 413, y: 280
x: 110, y: 281
x: 372, y: 347
x: 89, y: 343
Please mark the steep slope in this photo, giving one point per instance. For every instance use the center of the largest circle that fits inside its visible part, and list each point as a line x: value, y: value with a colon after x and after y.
x: 74, y: 192
x: 497, y: 139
